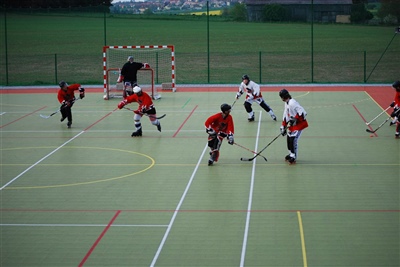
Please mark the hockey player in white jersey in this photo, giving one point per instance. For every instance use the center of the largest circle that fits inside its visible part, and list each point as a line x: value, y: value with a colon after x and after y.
x: 293, y: 123
x: 253, y: 94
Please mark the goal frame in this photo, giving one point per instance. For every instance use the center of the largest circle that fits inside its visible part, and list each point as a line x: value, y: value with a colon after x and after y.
x: 112, y: 93
x: 164, y: 86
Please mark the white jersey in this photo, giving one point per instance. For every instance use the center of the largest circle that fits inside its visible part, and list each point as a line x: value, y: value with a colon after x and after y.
x: 292, y: 108
x: 252, y: 90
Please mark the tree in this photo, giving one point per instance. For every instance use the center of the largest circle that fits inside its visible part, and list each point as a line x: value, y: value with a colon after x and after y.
x: 274, y: 12
x: 238, y: 12
x: 360, y: 14
x: 389, y: 8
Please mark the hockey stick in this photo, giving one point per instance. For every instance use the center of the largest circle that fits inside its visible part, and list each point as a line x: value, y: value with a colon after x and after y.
x: 55, y: 112
x: 152, y: 116
x: 233, y: 104
x: 250, y: 150
x: 368, y: 123
x: 259, y: 153
x: 373, y: 131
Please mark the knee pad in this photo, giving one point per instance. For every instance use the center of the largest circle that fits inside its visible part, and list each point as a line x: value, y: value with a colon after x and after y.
x: 247, y: 106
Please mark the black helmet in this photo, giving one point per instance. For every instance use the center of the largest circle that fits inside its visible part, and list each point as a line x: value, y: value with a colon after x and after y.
x: 396, y: 84
x: 245, y: 77
x: 62, y: 84
x: 225, y: 107
x: 284, y: 94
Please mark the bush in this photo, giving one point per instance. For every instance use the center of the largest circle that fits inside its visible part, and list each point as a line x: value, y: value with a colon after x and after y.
x: 274, y: 12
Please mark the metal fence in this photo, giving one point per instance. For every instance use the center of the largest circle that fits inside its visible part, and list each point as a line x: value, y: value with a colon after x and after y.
x: 194, y: 68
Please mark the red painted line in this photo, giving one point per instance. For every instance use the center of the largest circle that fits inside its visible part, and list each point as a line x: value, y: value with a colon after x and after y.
x: 362, y: 117
x: 180, y: 127
x: 102, y: 118
x: 379, y: 91
x: 21, y: 117
x: 98, y: 239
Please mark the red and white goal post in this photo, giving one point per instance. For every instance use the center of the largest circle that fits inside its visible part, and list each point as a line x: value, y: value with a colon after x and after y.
x: 159, y: 76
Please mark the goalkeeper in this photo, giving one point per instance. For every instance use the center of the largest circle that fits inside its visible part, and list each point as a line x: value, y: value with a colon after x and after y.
x: 66, y: 97
x: 146, y: 107
x: 128, y: 75
x: 218, y: 127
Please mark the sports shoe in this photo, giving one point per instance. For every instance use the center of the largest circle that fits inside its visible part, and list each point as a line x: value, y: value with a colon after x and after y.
x: 391, y: 123
x: 292, y: 161
x: 397, y: 135
x: 210, y: 162
x: 287, y: 157
x: 137, y: 133
x: 159, y: 127
x: 273, y: 117
x: 69, y: 124
x: 251, y: 118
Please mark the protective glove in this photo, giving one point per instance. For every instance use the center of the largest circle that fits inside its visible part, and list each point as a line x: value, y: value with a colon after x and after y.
x: 143, y: 109
x: 238, y: 95
x: 210, y: 131
x: 81, y: 93
x: 66, y: 103
x: 146, y: 65
x: 283, y: 130
x: 392, y: 104
x: 120, y: 79
x: 395, y: 113
x: 122, y: 104
x: 230, y: 139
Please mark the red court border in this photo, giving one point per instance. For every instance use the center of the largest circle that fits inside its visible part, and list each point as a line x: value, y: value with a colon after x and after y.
x: 383, y: 95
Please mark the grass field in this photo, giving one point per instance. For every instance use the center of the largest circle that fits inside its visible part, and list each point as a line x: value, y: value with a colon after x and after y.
x: 271, y: 53
x: 94, y: 196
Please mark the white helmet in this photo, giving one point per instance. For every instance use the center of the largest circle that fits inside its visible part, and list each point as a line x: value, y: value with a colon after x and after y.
x: 137, y: 89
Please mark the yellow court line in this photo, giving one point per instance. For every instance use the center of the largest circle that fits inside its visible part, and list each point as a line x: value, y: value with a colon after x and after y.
x: 152, y: 163
x: 303, y: 243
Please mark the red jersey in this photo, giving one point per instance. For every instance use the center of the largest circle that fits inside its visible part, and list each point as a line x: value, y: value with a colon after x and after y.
x: 221, y: 124
x: 69, y: 94
x: 145, y: 102
x: 397, y: 99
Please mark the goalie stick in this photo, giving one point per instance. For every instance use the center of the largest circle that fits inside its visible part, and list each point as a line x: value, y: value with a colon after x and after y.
x: 373, y: 131
x: 249, y: 150
x: 368, y: 123
x: 55, y: 112
x: 259, y: 153
x: 158, y: 118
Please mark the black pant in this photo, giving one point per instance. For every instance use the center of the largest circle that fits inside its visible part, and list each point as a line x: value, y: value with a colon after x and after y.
x: 66, y: 112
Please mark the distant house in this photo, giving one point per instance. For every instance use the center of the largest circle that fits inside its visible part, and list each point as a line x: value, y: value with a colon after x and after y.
x: 300, y: 10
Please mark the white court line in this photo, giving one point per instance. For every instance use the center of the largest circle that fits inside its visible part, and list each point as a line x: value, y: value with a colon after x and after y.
x: 177, y: 208
x: 250, y: 201
x: 79, y: 225
x: 45, y: 157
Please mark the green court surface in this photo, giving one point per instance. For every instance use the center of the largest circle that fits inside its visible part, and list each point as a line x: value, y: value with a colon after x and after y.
x: 94, y: 196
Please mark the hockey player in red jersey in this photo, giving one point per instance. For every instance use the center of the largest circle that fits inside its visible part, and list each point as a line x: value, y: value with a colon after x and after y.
x: 396, y: 108
x: 218, y: 127
x: 253, y: 94
x: 66, y: 97
x: 293, y: 123
x: 146, y: 107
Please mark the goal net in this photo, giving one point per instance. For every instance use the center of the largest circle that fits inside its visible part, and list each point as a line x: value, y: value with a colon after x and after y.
x: 160, y: 76
x: 115, y: 89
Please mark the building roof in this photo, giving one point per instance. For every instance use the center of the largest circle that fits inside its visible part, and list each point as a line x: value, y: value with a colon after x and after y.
x: 300, y: 2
